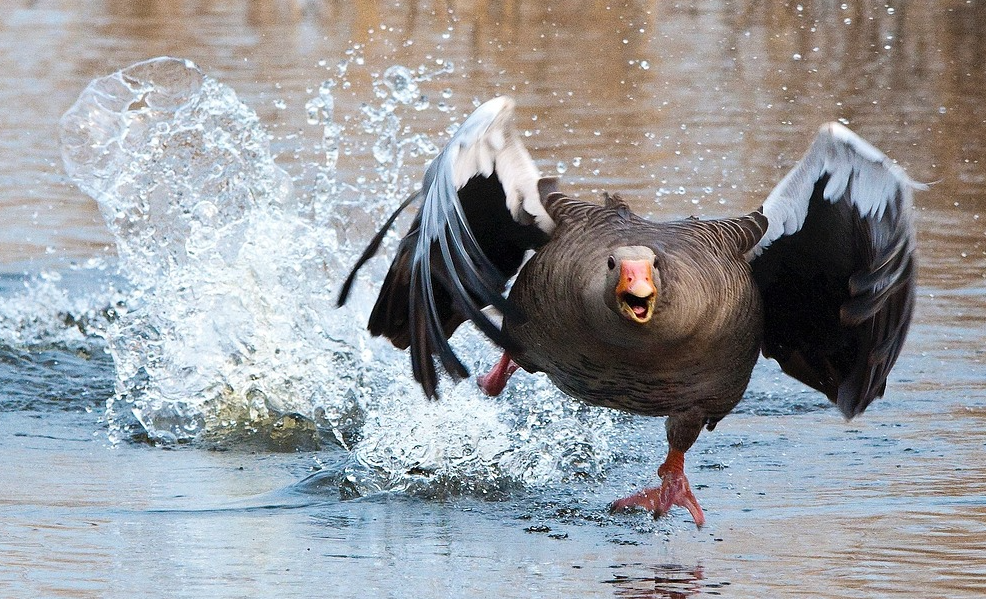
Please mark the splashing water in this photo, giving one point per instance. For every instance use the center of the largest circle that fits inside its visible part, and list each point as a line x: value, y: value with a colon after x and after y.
x: 56, y: 310
x: 230, y: 323
x: 216, y: 332
x: 321, y: 111
x: 398, y: 87
x: 401, y: 83
x: 334, y: 200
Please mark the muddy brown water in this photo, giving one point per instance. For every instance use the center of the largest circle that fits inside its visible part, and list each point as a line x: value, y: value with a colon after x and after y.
x: 684, y: 107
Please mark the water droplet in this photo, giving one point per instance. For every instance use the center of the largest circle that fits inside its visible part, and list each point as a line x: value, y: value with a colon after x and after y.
x: 402, y: 84
x: 313, y: 109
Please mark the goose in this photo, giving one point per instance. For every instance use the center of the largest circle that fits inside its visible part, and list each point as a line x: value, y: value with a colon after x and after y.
x: 653, y: 318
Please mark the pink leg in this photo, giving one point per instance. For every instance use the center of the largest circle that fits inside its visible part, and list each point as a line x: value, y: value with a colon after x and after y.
x: 494, y: 382
x: 674, y: 490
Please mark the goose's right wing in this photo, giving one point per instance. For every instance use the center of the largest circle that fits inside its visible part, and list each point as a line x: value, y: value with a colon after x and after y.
x: 480, y: 212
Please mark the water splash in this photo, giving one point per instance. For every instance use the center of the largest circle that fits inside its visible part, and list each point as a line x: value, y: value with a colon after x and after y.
x: 335, y: 203
x: 469, y: 443
x: 230, y: 324
x: 216, y: 332
x: 401, y: 83
x: 61, y: 310
x: 321, y: 111
x: 52, y: 352
x: 398, y: 87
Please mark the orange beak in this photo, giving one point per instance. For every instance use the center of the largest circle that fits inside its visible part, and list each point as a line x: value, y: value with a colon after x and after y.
x: 635, y: 291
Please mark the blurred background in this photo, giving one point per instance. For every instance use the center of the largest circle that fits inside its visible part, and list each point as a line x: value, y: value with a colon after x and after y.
x: 628, y: 96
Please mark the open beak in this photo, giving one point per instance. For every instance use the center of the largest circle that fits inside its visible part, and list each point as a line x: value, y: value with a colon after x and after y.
x: 635, y: 291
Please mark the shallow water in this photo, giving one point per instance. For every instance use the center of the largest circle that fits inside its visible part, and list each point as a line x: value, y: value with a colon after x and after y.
x: 311, y: 465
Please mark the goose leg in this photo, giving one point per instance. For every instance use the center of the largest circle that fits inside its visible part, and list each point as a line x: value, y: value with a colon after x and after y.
x: 674, y: 489
x: 495, y: 380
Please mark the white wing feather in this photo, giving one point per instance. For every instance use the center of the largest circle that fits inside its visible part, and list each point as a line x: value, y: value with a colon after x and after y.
x: 849, y: 160
x: 487, y: 140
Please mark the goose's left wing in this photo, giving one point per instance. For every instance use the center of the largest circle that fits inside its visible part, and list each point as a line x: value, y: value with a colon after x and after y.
x: 836, y: 268
x: 480, y: 212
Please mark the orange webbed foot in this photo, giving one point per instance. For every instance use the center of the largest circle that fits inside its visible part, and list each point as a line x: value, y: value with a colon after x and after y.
x: 493, y: 382
x: 674, y: 490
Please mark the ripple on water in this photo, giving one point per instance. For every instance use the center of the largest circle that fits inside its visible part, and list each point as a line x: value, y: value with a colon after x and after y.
x: 53, y: 355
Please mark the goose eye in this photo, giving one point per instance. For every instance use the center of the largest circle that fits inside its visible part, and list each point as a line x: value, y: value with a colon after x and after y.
x: 655, y: 261
x: 611, y: 262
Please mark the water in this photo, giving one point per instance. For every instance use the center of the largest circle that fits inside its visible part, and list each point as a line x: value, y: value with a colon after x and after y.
x: 184, y: 409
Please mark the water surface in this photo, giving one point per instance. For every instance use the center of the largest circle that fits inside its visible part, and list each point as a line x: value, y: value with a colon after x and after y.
x: 685, y: 107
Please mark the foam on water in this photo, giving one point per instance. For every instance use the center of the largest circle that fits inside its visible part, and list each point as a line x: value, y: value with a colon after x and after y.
x: 231, y: 325
x: 52, y: 352
x: 56, y: 310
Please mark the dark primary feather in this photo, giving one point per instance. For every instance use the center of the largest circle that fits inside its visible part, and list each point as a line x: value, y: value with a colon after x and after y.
x: 371, y: 249
x: 838, y: 297
x: 431, y: 288
x: 479, y: 212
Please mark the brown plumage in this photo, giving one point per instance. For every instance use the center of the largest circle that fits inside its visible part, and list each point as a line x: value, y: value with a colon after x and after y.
x: 659, y: 319
x: 697, y: 350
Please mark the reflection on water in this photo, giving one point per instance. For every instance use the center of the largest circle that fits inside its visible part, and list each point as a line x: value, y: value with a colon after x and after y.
x: 668, y: 581
x: 686, y: 107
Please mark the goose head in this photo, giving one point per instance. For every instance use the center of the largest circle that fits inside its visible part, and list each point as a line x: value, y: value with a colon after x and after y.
x: 631, y: 283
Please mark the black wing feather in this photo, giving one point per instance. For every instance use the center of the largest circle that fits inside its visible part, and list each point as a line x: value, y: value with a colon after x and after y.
x: 471, y: 249
x: 480, y: 212
x: 839, y: 290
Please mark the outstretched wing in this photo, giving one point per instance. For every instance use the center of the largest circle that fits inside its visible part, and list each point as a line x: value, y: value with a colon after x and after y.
x: 481, y: 211
x: 836, y: 268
